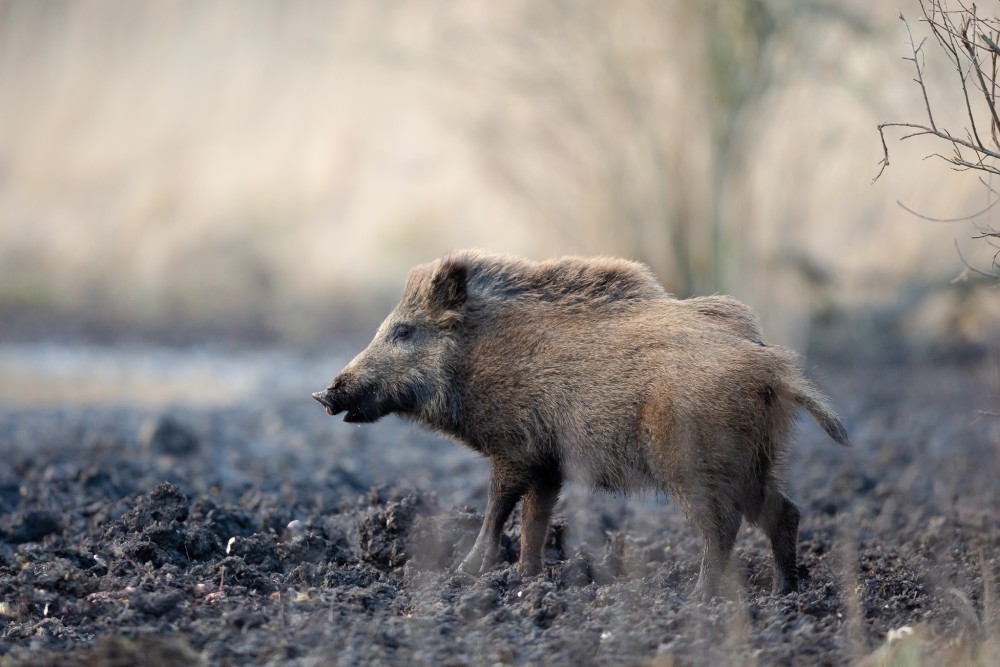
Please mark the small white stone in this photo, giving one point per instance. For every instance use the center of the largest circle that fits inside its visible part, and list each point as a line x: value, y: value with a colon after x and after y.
x: 295, y: 529
x: 899, y: 633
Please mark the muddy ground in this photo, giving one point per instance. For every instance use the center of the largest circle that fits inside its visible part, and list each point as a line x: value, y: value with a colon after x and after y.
x: 269, y: 533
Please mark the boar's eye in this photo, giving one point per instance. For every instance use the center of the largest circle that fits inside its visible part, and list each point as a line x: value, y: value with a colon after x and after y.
x: 400, y: 333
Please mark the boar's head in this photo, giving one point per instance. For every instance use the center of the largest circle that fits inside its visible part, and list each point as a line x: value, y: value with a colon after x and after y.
x: 411, y: 363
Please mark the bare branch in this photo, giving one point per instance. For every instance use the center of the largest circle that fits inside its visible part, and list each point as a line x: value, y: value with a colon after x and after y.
x: 920, y: 73
x: 964, y: 218
x: 884, y: 162
x: 972, y: 268
x: 972, y: 45
x: 989, y: 187
x: 942, y: 134
x: 969, y: 24
x: 990, y: 43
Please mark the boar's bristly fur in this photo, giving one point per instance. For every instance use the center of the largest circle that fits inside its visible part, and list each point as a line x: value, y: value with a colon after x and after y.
x: 587, y: 369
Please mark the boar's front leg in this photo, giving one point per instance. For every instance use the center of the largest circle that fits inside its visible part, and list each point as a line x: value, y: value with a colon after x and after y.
x: 506, y: 488
x: 536, y: 511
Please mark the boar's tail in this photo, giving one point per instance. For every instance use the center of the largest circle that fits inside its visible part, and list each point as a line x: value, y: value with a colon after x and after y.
x: 818, y: 406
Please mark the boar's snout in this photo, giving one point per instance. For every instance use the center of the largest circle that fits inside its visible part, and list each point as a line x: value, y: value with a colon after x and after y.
x: 361, y: 400
x: 333, y: 398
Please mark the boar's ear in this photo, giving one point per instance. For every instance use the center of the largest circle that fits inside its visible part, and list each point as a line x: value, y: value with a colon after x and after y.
x: 448, y: 285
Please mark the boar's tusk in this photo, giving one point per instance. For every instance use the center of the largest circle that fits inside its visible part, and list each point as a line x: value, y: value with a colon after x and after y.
x: 324, y: 399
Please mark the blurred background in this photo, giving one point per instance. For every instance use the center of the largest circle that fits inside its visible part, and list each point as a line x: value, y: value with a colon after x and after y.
x: 265, y: 172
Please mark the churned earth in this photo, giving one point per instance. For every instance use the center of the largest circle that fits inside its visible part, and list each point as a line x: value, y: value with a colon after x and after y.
x: 265, y: 532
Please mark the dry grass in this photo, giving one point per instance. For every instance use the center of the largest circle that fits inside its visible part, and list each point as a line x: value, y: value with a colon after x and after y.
x: 257, y: 162
x: 915, y: 647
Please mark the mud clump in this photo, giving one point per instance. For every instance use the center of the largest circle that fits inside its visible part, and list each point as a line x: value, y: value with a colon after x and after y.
x: 156, y: 531
x: 384, y: 531
x: 141, y: 650
x: 165, y: 435
x: 31, y: 526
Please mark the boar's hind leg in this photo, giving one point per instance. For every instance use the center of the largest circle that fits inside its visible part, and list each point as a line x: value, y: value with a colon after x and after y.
x: 536, y: 510
x: 779, y: 518
x: 505, y: 490
x: 719, y: 527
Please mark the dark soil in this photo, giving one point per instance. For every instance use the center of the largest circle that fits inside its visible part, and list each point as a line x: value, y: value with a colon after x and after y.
x: 272, y: 534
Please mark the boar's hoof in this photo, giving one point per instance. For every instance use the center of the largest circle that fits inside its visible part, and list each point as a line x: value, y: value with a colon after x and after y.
x: 471, y: 568
x: 466, y: 568
x: 529, y: 569
x: 784, y: 586
x: 704, y: 592
x: 475, y: 564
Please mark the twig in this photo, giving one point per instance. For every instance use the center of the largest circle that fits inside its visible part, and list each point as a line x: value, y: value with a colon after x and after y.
x: 972, y: 268
x: 970, y: 24
x: 963, y: 218
x: 958, y: 160
x: 990, y: 43
x: 920, y: 73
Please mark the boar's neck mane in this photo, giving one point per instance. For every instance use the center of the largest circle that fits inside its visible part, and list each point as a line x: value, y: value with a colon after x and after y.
x: 570, y: 281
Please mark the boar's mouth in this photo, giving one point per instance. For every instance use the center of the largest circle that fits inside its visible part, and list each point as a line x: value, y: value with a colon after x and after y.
x: 363, y: 410
x: 360, y: 415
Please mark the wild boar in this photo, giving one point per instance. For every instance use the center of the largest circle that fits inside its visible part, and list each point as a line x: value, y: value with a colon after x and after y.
x: 588, y: 369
